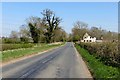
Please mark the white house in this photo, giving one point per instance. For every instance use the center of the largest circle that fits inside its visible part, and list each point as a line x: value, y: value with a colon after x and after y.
x: 88, y: 38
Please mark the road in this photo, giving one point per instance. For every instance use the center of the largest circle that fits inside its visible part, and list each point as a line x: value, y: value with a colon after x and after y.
x: 63, y: 62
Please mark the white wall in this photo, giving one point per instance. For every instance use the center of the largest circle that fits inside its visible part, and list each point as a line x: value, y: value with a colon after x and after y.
x: 90, y: 39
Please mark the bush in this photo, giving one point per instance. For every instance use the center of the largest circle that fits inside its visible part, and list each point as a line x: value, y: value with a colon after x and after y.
x: 10, y: 40
x: 99, y: 70
x: 14, y: 46
x: 107, y: 52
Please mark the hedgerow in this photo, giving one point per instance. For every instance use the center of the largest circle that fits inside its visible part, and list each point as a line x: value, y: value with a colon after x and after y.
x: 107, y: 52
x: 98, y: 70
x: 14, y: 46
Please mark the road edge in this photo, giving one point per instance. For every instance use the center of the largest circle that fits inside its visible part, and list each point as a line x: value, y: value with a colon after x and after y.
x: 83, y: 62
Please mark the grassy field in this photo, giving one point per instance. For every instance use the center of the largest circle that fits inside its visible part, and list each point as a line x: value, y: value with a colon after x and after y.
x: 97, y: 68
x: 17, y: 53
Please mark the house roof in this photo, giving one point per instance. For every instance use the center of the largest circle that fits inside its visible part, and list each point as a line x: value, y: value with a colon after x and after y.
x: 86, y: 35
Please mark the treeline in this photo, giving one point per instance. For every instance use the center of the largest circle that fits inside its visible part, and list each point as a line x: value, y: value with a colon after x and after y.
x: 44, y: 29
x: 80, y: 28
x: 47, y: 29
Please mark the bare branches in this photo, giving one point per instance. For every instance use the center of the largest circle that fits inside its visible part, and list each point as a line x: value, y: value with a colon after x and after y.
x: 52, y: 22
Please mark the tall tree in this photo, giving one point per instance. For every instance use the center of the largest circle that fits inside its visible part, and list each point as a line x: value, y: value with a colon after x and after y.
x: 37, y: 28
x: 34, y: 32
x: 52, y: 23
x: 34, y: 28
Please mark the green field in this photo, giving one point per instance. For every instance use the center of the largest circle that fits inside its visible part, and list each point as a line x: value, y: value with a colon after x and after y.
x: 97, y: 68
x: 17, y: 53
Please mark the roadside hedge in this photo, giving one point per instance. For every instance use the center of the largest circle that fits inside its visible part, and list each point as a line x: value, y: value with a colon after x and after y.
x: 14, y: 46
x: 98, y: 70
x: 107, y: 52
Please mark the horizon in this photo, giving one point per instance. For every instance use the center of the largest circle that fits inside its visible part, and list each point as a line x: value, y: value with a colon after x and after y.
x: 98, y: 14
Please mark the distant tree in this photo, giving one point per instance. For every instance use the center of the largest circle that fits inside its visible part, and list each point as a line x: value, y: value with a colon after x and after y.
x: 80, y: 25
x: 24, y: 34
x: 13, y: 38
x: 70, y: 38
x: 79, y: 29
x: 14, y: 34
x: 59, y: 35
x: 51, y: 23
x: 96, y: 32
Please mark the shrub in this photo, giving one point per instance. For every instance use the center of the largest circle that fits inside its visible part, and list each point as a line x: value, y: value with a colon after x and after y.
x: 99, y: 70
x: 107, y: 52
x: 14, y: 46
x: 10, y: 40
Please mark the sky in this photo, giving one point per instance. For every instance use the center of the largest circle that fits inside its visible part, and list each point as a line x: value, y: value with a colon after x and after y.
x: 99, y: 14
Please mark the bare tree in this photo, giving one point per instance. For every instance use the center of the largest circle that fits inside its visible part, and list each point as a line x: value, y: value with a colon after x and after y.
x: 80, y: 28
x: 52, y: 23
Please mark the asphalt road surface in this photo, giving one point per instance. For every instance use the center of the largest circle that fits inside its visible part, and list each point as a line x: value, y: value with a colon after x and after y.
x: 63, y: 62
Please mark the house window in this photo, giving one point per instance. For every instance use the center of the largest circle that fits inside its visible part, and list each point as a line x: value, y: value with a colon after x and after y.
x: 84, y: 40
x: 90, y: 40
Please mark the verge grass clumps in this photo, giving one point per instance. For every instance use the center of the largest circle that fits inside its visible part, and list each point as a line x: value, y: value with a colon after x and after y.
x: 13, y: 54
x: 97, y: 68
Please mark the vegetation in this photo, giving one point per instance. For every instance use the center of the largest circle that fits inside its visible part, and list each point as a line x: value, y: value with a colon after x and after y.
x: 34, y: 32
x: 44, y: 29
x: 6, y: 40
x: 37, y: 30
x: 51, y: 22
x: 97, y: 68
x: 107, y: 52
x: 80, y: 28
x: 15, y: 46
x: 103, y: 59
x: 13, y: 54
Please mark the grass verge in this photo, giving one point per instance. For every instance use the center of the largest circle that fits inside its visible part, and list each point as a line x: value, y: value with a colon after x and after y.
x: 13, y: 54
x: 97, y: 68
